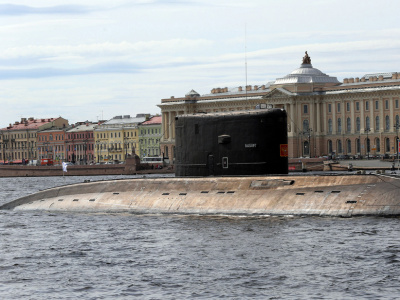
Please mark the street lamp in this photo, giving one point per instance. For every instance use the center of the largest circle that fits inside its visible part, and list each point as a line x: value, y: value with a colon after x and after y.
x: 85, y: 141
x: 306, y: 133
x: 126, y: 143
x: 368, y: 143
x: 98, y: 150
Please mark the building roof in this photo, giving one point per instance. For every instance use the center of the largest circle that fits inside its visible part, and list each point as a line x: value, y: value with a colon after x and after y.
x: 124, y: 120
x: 30, y: 124
x: 156, y: 120
x: 82, y: 128
x: 306, y: 74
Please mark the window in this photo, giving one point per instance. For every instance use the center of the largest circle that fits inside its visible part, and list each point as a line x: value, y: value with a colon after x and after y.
x: 377, y: 123
x: 348, y: 106
x: 358, y: 124
x: 387, y: 145
x: 348, y: 124
x: 338, y: 107
x: 397, y: 120
x: 367, y: 124
x: 387, y: 104
x: 339, y: 125
x: 339, y: 146
x: 378, y: 145
x: 329, y: 146
x: 306, y: 125
x: 329, y: 108
x: 396, y: 102
x: 358, y: 145
x: 376, y: 105
x: 366, y: 105
x: 348, y: 146
x: 387, y: 123
x: 330, y: 126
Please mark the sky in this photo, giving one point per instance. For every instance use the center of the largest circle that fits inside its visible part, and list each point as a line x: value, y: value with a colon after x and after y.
x: 96, y: 59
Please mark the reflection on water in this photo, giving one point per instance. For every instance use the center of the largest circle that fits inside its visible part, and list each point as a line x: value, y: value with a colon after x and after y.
x: 114, y: 256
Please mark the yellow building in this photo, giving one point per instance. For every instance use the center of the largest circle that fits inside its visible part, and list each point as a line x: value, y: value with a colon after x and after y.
x: 359, y: 116
x: 116, y: 138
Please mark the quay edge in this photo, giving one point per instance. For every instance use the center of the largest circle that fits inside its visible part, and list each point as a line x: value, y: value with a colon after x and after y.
x: 312, y: 195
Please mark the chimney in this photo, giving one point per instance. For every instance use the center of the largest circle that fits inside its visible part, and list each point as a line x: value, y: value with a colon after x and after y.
x: 240, y: 89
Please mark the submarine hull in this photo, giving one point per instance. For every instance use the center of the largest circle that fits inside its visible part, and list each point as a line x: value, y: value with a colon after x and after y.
x: 325, y: 195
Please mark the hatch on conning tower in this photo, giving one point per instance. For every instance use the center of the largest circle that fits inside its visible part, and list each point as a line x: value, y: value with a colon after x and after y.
x: 234, y: 143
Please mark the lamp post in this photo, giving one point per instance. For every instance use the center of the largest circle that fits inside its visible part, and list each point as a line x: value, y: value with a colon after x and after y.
x: 126, y: 143
x: 98, y: 150
x: 309, y: 141
x: 368, y: 143
x: 85, y: 158
x: 46, y: 144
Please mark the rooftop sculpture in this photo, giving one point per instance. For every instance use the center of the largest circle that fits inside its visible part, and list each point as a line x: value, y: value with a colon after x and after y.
x: 307, y: 59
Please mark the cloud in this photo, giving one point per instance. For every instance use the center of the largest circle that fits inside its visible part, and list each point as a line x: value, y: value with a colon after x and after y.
x: 103, y: 68
x: 13, y: 9
x: 103, y: 49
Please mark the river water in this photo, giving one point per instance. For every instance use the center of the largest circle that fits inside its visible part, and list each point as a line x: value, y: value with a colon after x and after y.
x: 47, y: 255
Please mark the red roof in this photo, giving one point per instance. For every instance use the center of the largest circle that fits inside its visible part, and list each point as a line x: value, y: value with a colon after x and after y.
x: 29, y: 124
x: 153, y: 121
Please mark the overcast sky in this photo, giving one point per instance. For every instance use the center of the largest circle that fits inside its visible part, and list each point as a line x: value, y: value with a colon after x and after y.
x: 94, y: 59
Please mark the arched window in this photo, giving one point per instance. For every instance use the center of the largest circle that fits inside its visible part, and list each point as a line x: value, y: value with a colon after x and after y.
x: 378, y: 145
x: 348, y: 146
x: 348, y: 124
x: 330, y: 126
x: 339, y: 125
x: 358, y: 145
x: 306, y: 148
x: 306, y: 125
x: 397, y: 120
x: 387, y: 123
x: 339, y: 146
x: 387, y: 145
x: 377, y: 123
x: 358, y: 124
x: 367, y: 124
x: 329, y: 146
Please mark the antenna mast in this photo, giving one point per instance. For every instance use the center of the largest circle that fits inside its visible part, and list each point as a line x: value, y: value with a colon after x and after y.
x: 245, y: 54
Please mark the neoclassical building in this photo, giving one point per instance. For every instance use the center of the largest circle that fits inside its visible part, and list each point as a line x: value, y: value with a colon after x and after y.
x: 358, y: 116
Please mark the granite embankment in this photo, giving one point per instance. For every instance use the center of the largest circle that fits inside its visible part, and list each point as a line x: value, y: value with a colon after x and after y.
x: 131, y: 167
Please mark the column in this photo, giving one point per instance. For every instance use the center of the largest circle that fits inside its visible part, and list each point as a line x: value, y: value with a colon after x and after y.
x: 170, y: 124
x: 382, y: 120
x: 392, y: 117
x: 292, y: 125
x: 165, y: 125
x: 318, y: 129
x: 334, y: 123
x: 371, y: 117
x: 353, y: 117
x: 325, y: 112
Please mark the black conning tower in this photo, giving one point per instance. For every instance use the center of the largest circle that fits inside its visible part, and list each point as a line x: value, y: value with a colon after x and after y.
x: 232, y: 143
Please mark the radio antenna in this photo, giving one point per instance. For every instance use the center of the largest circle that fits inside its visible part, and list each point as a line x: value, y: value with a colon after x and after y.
x: 245, y: 55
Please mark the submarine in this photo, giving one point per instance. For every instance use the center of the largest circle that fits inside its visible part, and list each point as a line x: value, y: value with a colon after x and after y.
x: 233, y: 163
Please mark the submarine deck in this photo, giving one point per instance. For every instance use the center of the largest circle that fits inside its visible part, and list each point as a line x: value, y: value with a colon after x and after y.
x: 322, y: 195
